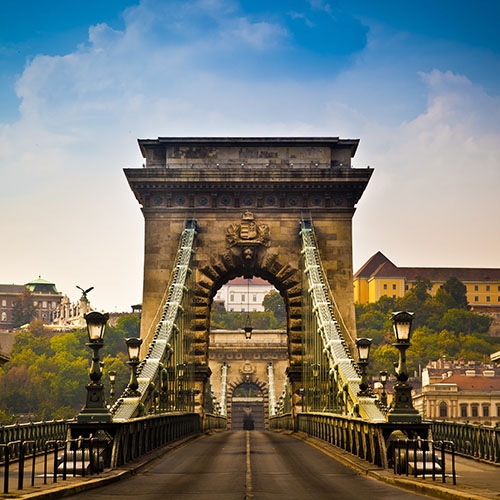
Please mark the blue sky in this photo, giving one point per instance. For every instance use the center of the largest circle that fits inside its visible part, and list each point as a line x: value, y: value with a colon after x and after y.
x: 81, y: 81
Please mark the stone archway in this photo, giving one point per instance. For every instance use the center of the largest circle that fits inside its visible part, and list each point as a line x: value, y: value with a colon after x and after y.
x: 248, y: 257
x: 248, y: 196
x: 248, y: 408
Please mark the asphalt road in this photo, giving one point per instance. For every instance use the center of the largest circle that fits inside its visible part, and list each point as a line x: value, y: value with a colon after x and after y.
x: 243, y: 465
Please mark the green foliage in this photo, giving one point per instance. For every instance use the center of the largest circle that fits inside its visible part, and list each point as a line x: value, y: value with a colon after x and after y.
x: 443, y: 327
x: 236, y: 321
x: 462, y: 321
x: 273, y: 317
x: 273, y: 302
x: 453, y: 294
x: 47, y: 373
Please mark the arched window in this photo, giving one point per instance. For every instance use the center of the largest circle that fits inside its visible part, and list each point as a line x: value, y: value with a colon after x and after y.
x: 443, y: 410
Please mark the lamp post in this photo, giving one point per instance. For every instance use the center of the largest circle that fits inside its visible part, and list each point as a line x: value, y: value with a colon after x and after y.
x: 248, y: 328
x: 301, y: 392
x: 95, y: 407
x: 315, y: 390
x: 383, y: 380
x: 181, y: 395
x: 248, y: 324
x: 402, y: 409
x: 112, y: 380
x: 363, y: 345
x: 133, y: 347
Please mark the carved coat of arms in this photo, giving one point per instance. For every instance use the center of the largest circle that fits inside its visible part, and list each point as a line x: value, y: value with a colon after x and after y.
x: 248, y: 232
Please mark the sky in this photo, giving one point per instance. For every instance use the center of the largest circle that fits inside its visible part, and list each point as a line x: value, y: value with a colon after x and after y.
x: 80, y: 82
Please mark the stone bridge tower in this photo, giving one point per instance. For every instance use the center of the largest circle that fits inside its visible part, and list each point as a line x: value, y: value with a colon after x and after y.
x: 248, y: 196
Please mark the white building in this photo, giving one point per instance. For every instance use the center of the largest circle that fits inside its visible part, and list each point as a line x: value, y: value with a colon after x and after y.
x: 242, y: 294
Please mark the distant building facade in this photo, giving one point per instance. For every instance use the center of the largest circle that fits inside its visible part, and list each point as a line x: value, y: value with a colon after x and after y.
x: 379, y: 277
x: 460, y: 392
x: 242, y: 294
x: 46, y: 300
x: 8, y: 296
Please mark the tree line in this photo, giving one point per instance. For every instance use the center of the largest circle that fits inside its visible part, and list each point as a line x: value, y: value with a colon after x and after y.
x: 48, y: 372
x: 444, y: 326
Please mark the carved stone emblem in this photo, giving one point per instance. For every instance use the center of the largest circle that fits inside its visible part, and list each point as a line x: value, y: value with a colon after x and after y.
x: 248, y: 233
x: 247, y: 368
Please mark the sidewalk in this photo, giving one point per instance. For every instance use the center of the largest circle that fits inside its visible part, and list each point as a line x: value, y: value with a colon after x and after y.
x: 475, y: 480
x: 78, y: 484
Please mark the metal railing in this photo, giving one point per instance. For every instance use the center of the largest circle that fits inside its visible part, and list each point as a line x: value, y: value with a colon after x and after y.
x: 79, y: 457
x: 354, y: 435
x: 142, y: 435
x: 38, y: 432
x: 472, y: 440
x: 424, y: 457
x: 214, y: 422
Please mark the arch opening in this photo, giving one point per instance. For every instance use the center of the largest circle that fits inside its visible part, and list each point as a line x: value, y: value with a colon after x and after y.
x: 248, y: 373
x: 248, y: 407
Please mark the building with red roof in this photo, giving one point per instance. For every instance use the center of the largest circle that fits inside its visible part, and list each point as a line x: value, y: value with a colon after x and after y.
x: 380, y: 277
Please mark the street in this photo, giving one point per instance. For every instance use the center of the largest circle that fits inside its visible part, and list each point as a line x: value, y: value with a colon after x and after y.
x: 242, y: 465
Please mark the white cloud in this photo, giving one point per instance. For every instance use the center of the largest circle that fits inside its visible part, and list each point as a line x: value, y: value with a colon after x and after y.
x: 74, y: 220
x: 435, y: 181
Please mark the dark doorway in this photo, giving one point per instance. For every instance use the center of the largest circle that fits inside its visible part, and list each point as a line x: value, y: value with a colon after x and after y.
x: 247, y: 412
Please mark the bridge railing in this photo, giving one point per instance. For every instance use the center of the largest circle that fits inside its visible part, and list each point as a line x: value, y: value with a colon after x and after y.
x: 357, y: 436
x: 44, y: 449
x: 138, y: 436
x: 472, y: 440
x: 37, y: 432
x: 214, y: 422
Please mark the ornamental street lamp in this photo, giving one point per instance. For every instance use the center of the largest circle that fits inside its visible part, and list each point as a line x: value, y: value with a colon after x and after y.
x: 133, y: 348
x: 315, y: 390
x: 248, y: 328
x: 248, y: 324
x: 95, y: 407
x: 383, y: 380
x: 301, y: 392
x: 112, y: 380
x: 402, y: 409
x: 363, y: 346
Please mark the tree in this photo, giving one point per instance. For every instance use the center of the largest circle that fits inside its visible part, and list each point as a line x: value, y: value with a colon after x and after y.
x: 421, y: 289
x: 47, y: 372
x: 453, y: 293
x: 24, y: 309
x: 461, y: 321
x: 440, y: 328
x: 273, y: 302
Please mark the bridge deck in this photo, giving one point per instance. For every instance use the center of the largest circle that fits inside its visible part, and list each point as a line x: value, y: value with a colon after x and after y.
x: 217, y: 467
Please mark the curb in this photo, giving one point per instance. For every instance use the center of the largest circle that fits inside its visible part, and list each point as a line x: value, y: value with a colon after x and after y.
x: 61, y: 490
x: 433, y: 489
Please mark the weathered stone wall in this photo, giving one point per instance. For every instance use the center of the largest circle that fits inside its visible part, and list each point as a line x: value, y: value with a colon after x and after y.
x: 248, y: 361
x: 248, y: 197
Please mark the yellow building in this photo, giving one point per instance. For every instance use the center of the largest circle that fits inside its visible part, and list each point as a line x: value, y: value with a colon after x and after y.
x: 379, y: 277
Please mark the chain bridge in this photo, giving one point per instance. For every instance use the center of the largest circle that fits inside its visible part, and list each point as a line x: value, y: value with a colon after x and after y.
x: 277, y: 208
x: 280, y: 209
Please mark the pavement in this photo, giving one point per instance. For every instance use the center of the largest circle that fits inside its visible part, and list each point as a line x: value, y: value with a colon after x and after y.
x: 476, y: 480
